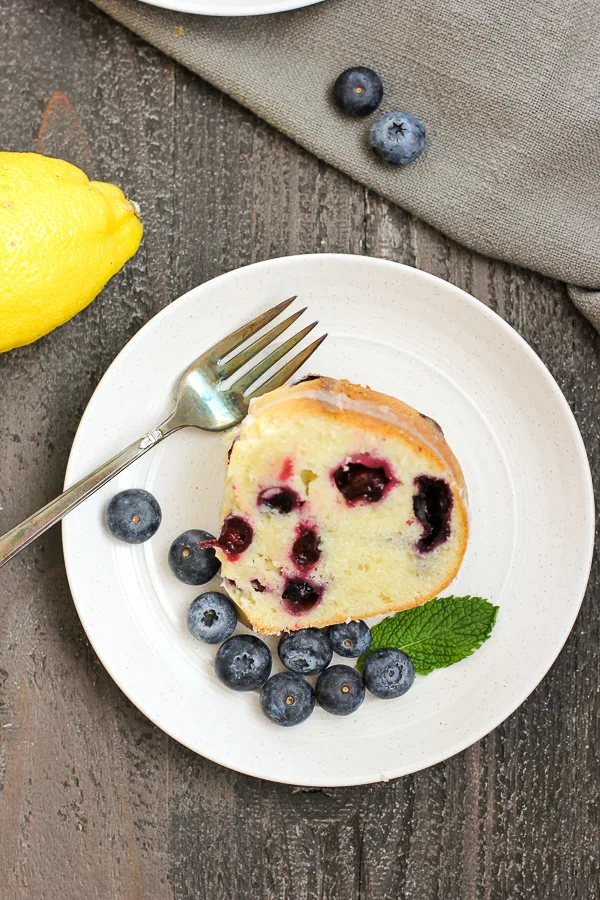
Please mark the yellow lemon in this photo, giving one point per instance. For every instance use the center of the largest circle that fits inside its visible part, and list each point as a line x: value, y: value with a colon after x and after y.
x: 62, y: 237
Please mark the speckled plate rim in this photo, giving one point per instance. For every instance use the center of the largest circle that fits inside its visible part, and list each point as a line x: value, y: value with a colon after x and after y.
x: 530, y: 679
x: 230, y: 8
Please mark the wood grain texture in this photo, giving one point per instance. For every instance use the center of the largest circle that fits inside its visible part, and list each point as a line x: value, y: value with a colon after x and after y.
x: 95, y: 801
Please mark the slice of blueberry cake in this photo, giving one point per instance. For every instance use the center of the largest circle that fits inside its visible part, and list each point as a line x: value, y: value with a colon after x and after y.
x: 340, y: 503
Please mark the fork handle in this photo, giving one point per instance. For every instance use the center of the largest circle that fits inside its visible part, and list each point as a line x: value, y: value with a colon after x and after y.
x: 22, y: 535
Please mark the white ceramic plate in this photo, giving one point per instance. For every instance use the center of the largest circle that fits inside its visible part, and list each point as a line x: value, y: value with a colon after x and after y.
x: 531, y: 505
x: 231, y: 7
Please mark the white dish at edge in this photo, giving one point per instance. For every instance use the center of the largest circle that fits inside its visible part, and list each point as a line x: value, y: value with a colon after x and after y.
x: 231, y: 7
x: 405, y: 333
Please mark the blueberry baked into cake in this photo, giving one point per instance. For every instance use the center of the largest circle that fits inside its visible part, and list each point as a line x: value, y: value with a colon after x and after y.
x: 340, y: 503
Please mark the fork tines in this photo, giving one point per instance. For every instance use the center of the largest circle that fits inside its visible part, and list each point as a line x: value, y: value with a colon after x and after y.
x: 223, y: 348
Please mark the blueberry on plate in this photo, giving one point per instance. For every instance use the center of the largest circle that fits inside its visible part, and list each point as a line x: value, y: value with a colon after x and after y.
x: 212, y: 617
x: 133, y: 516
x: 191, y: 563
x: 243, y: 662
x: 398, y: 138
x: 306, y: 651
x: 388, y: 673
x: 350, y: 638
x: 358, y: 91
x: 340, y: 690
x: 287, y: 699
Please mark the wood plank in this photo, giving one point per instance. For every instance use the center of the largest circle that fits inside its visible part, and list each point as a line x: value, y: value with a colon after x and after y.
x: 84, y: 791
x: 94, y: 800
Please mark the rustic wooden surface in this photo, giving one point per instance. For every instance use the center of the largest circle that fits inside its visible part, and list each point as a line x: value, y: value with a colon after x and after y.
x: 95, y: 802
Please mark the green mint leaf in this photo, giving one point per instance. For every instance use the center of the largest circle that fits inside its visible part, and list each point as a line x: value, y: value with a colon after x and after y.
x: 437, y: 634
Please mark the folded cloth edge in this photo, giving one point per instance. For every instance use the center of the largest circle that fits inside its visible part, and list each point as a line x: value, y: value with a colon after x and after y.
x: 587, y: 302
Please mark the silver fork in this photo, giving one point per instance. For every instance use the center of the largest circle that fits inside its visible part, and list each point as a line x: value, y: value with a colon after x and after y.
x: 201, y: 401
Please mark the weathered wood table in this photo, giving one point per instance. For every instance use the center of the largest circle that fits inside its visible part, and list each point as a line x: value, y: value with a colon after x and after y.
x: 95, y: 802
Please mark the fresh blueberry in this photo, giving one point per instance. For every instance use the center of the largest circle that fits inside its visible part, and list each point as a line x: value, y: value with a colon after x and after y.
x: 340, y: 690
x: 287, y: 699
x: 191, y: 563
x: 133, y: 516
x: 388, y: 673
x: 398, y: 138
x: 212, y: 617
x: 358, y: 91
x: 350, y: 638
x: 243, y: 662
x: 306, y: 651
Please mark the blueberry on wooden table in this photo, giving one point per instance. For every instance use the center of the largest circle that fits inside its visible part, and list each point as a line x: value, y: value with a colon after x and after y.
x: 212, y: 617
x: 340, y: 690
x: 133, y: 516
x: 398, y: 138
x: 350, y: 639
x: 306, y: 651
x: 358, y: 91
x: 243, y: 662
x: 191, y: 563
x: 388, y: 673
x: 287, y: 699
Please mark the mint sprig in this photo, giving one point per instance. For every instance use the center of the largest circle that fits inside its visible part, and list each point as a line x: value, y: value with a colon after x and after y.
x: 437, y: 634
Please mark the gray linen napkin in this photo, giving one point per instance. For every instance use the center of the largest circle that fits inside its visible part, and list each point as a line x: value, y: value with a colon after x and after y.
x: 509, y: 93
